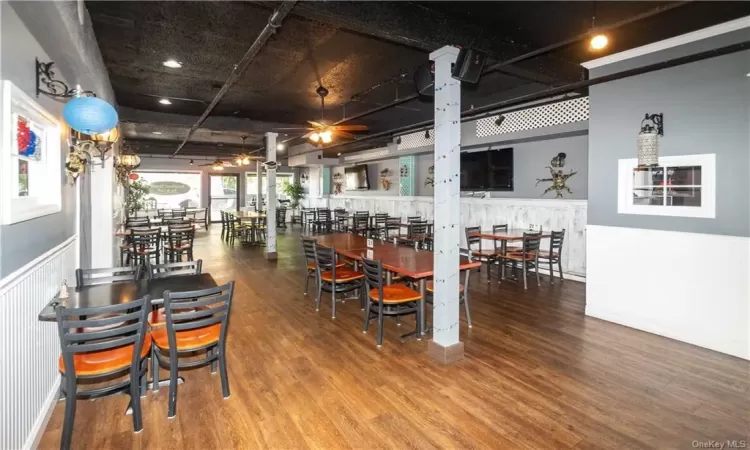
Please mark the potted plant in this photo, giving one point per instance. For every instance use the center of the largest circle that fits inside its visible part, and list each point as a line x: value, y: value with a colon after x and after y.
x: 135, y: 199
x: 295, y: 192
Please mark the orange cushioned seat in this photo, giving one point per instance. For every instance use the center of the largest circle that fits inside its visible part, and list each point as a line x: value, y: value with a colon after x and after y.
x: 188, y: 339
x: 431, y: 287
x: 343, y: 275
x: 105, y: 361
x: 396, y: 293
x: 483, y: 253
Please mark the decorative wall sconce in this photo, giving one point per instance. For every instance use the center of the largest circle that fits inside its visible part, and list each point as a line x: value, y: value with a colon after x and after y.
x: 85, y: 112
x: 652, y: 126
x: 99, y: 143
x: 304, y: 177
x: 385, y: 182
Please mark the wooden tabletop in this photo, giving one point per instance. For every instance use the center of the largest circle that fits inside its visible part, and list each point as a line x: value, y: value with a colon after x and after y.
x: 514, y: 234
x: 242, y: 215
x: 115, y: 293
x: 396, y: 258
x: 123, y: 232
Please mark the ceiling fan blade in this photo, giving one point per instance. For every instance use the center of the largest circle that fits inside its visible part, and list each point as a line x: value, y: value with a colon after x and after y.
x: 349, y: 127
x: 316, y: 124
x: 345, y: 134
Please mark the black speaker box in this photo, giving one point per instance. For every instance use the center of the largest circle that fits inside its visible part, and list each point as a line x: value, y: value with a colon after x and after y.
x: 424, y: 80
x: 468, y: 66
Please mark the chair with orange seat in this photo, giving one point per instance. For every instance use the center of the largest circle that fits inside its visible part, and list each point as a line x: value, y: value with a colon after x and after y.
x: 386, y: 299
x: 308, y: 248
x: 334, y: 278
x: 196, y: 321
x: 527, y: 258
x: 95, y: 350
x: 158, y: 317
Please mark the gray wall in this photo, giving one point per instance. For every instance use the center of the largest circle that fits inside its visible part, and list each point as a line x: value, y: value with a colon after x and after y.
x: 373, y: 172
x: 23, y: 242
x: 706, y: 110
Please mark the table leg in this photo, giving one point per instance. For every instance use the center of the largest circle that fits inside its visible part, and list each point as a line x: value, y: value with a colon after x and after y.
x: 422, y: 301
x: 388, y: 277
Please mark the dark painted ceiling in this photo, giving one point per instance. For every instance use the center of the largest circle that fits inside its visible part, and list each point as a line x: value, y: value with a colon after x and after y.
x: 351, y: 48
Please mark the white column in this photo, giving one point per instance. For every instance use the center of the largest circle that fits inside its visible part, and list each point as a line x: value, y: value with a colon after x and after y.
x: 271, y: 185
x: 259, y: 189
x: 102, y: 210
x: 445, y: 346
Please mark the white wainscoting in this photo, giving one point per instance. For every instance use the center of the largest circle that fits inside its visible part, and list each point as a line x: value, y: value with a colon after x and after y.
x: 29, y: 379
x: 685, y: 286
x: 517, y: 213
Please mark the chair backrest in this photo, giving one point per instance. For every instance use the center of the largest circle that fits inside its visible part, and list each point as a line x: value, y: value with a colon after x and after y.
x: 362, y: 213
x: 200, y: 214
x: 373, y: 271
x: 418, y: 229
x: 145, y: 237
x: 324, y: 215
x: 339, y: 210
x: 175, y: 221
x: 471, y: 240
x: 281, y: 213
x: 173, y: 269
x: 411, y: 219
x: 132, y: 222
x: 94, y: 277
x: 532, y: 242
x: 164, y: 213
x: 180, y: 235
x: 97, y: 332
x: 556, y: 241
x: 325, y: 260
x: 179, y: 213
x: 308, y: 248
x: 191, y: 310
x: 381, y: 219
x: 150, y: 204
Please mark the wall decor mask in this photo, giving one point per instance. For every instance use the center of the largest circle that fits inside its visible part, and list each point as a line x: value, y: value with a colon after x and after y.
x: 558, y: 178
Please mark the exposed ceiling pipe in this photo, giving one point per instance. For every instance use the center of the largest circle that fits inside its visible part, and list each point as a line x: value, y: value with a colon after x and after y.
x: 547, y: 93
x: 274, y: 22
x: 497, y: 66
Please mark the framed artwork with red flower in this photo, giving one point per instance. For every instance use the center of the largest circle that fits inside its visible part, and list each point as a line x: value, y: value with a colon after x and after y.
x: 30, y: 157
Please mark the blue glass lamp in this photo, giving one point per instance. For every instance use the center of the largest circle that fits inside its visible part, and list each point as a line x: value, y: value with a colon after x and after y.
x: 90, y: 115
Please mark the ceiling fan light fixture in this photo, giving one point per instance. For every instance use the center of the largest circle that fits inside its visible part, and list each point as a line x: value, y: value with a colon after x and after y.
x: 218, y: 165
x: 280, y: 146
x: 599, y: 42
x: 326, y: 136
x: 246, y: 161
x: 315, y: 137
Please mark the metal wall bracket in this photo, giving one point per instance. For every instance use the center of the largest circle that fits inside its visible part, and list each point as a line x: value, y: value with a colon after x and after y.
x: 45, y: 76
x: 658, y: 123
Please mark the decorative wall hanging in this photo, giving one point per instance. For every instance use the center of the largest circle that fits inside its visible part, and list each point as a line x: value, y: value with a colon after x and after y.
x: 75, y: 164
x: 404, y: 171
x: 126, y: 163
x: 652, y: 126
x: 558, y: 178
x: 430, y: 180
x: 385, y: 182
x: 338, y: 183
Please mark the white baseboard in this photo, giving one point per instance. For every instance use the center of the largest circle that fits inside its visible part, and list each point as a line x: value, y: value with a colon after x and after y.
x: 37, y: 430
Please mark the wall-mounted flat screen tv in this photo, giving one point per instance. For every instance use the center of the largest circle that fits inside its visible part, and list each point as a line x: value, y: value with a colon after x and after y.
x: 487, y: 170
x: 356, y: 178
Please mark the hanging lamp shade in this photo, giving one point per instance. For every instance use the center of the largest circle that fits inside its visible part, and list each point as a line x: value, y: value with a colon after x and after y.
x: 90, y: 115
x: 648, y: 149
x: 130, y: 161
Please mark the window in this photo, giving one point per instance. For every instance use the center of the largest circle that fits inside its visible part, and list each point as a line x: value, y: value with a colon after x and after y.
x: 682, y: 186
x: 251, y: 187
x: 30, y: 163
x: 172, y: 190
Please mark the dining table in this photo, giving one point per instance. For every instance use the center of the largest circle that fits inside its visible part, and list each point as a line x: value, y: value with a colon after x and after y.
x: 254, y: 217
x: 510, y: 235
x: 402, y: 260
x: 102, y: 295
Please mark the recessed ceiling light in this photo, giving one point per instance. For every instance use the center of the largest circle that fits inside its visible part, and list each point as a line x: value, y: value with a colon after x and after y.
x: 599, y: 41
x: 165, y: 101
x: 172, y: 64
x: 156, y: 132
x: 279, y: 146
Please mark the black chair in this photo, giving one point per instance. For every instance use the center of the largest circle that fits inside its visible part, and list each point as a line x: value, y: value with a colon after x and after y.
x: 527, y: 258
x: 463, y: 289
x: 164, y: 213
x: 323, y: 221
x: 360, y: 222
x: 308, y: 217
x: 341, y: 220
x: 386, y: 300
x: 179, y: 242
x: 485, y: 256
x: 175, y: 269
x: 224, y: 226
x: 554, y: 255
x: 416, y: 234
x: 196, y: 321
x: 410, y: 219
x: 137, y: 222
x: 95, y: 350
x: 145, y: 245
x: 333, y: 279
x: 380, y: 228
x: 281, y: 217
x: 94, y: 277
x: 392, y: 225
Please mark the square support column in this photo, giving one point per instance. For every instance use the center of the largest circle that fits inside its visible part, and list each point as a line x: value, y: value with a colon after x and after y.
x: 271, y: 202
x: 445, y: 345
x: 259, y: 188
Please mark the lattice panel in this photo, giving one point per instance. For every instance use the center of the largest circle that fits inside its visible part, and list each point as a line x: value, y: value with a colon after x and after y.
x: 567, y: 111
x: 370, y: 154
x: 407, y: 168
x: 415, y: 140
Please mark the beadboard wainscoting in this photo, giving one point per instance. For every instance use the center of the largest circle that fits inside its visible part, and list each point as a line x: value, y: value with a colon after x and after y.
x: 517, y: 213
x: 29, y: 379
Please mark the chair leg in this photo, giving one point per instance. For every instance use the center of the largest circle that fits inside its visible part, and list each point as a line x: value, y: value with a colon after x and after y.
x: 172, y: 387
x: 559, y: 268
x: 307, y: 281
x: 221, y: 350
x: 536, y: 269
x: 525, y: 287
x: 333, y: 300
x: 466, y: 305
x: 551, y: 273
x: 489, y: 272
x: 368, y: 302
x: 380, y: 324
x: 214, y: 364
x: 135, y: 398
x: 70, y: 412
x: 154, y: 369
x: 142, y: 379
x: 317, y: 297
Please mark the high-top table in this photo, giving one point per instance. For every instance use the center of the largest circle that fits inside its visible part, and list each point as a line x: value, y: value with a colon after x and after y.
x: 405, y: 261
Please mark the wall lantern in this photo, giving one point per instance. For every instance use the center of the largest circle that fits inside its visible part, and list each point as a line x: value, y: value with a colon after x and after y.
x: 85, y: 112
x: 99, y: 143
x: 126, y: 163
x: 652, y: 126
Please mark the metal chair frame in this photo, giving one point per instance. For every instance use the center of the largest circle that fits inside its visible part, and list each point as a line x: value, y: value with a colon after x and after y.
x: 325, y: 260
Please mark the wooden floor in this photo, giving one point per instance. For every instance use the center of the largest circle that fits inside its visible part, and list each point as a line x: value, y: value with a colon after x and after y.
x: 537, y: 374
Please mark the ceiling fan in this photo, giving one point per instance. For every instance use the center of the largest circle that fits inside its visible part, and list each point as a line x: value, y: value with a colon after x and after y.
x: 242, y: 159
x: 320, y: 133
